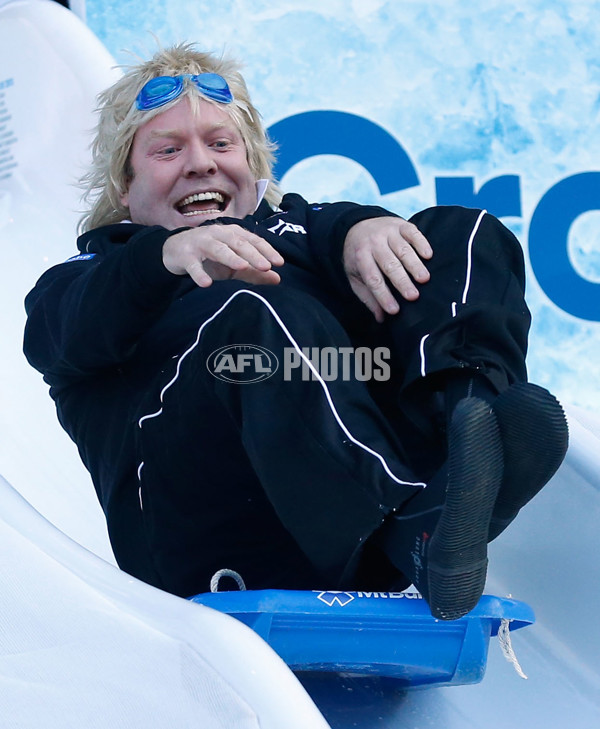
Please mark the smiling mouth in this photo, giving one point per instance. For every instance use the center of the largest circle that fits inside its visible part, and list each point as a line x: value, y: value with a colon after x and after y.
x: 202, y: 203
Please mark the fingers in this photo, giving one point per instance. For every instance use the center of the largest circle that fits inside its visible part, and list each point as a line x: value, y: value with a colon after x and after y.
x: 195, y: 270
x: 270, y: 278
x: 221, y: 251
x: 417, y: 240
x: 367, y: 298
x: 257, y: 251
x: 401, y: 265
x: 383, y: 256
x: 211, y: 271
x: 369, y: 284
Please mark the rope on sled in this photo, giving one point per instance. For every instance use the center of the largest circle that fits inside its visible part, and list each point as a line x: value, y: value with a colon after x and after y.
x: 506, y: 646
x: 216, y: 578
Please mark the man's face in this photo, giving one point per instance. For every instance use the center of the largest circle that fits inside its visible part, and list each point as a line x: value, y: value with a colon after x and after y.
x: 189, y: 168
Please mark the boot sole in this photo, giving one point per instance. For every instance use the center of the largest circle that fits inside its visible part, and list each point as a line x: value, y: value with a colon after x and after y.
x: 457, y: 558
x: 535, y: 438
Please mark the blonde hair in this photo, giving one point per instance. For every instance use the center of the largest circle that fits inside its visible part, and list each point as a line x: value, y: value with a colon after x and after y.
x: 119, y: 119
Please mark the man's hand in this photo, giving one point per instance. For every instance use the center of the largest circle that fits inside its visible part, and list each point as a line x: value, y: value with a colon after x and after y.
x: 389, y: 248
x: 214, y: 252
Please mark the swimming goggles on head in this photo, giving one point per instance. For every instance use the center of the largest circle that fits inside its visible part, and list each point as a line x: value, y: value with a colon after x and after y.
x: 162, y: 89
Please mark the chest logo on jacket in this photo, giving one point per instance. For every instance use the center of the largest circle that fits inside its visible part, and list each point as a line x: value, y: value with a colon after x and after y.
x: 283, y: 226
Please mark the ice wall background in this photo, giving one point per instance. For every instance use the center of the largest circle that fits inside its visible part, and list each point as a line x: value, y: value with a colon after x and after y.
x: 491, y: 104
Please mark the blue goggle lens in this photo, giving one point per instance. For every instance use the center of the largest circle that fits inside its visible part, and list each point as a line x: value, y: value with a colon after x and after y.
x: 162, y: 89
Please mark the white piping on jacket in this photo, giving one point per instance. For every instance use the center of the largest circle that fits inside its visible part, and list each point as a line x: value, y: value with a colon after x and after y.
x: 422, y: 353
x: 308, y: 363
x: 470, y: 256
x: 469, y: 271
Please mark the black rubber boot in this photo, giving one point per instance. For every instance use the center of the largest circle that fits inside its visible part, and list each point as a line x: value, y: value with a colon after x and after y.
x: 535, y: 438
x: 439, y: 538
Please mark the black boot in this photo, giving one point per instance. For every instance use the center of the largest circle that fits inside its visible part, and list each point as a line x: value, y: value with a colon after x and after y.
x: 535, y: 438
x: 439, y: 538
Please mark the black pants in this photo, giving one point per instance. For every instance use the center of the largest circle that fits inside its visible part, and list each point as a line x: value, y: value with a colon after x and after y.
x: 284, y: 479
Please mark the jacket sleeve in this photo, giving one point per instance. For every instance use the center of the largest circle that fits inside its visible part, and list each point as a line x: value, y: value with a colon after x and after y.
x: 87, y: 315
x: 327, y: 225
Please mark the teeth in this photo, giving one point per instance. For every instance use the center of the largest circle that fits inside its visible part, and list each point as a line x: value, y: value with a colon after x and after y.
x: 198, y: 197
x: 198, y: 212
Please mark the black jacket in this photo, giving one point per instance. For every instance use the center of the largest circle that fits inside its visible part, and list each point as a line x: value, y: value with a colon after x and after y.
x: 93, y: 312
x: 102, y: 326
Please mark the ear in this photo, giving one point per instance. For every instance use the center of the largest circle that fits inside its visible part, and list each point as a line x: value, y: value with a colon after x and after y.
x: 124, y: 196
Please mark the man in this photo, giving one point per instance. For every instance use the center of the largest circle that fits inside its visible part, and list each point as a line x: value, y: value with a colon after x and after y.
x: 293, y: 482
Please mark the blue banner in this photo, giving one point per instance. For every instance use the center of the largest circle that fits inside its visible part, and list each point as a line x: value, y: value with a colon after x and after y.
x: 411, y: 104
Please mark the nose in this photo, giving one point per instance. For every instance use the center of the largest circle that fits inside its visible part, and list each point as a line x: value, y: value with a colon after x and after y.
x: 199, y: 160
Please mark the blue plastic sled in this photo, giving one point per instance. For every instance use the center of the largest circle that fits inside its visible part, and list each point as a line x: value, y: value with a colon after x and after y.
x: 385, y: 634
